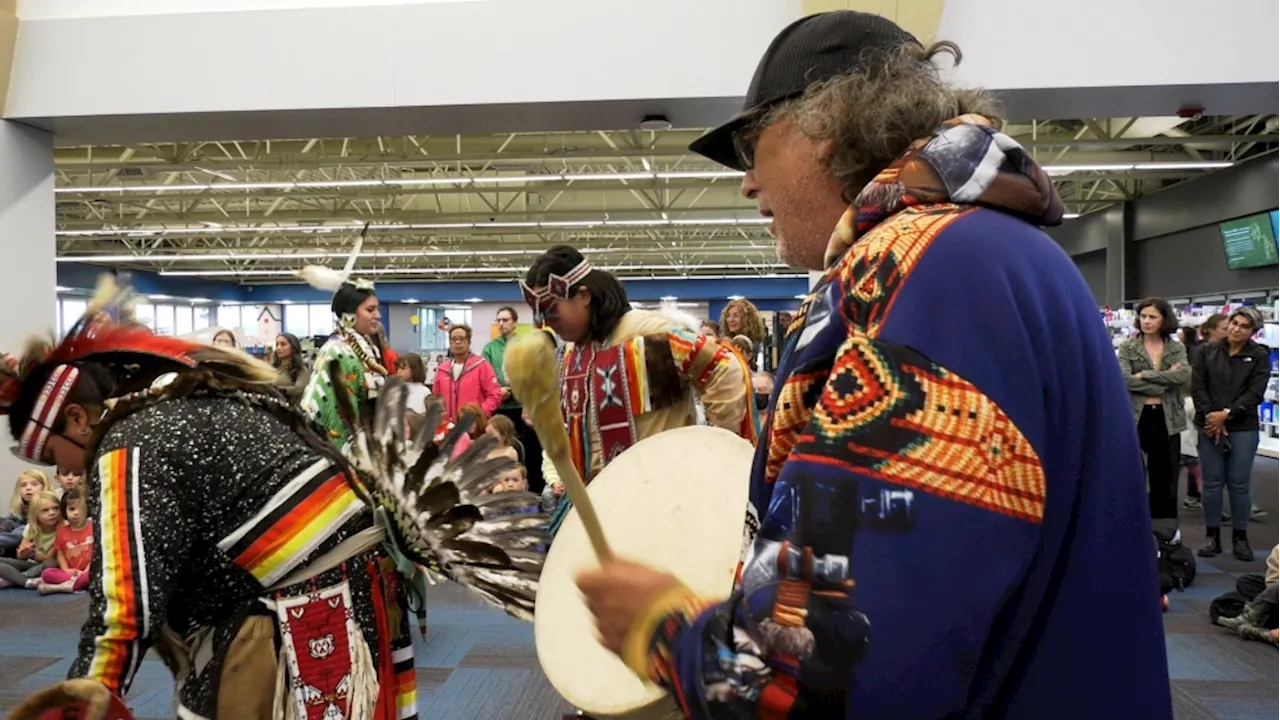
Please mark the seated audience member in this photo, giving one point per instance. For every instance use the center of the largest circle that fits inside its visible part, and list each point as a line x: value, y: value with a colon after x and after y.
x: 35, y: 552
x: 31, y: 482
x: 710, y: 328
x: 68, y: 481
x: 747, y: 348
x: 481, y: 422
x: 73, y: 548
x: 411, y: 369
x: 501, y: 427
x: 553, y: 492
x: 1258, y: 618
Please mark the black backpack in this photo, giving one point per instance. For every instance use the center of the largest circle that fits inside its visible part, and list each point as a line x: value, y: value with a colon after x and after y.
x: 1176, y: 562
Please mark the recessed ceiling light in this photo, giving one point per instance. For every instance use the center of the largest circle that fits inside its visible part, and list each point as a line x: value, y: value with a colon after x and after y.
x: 737, y: 297
x: 668, y: 298
x: 409, y: 301
x: 474, y: 300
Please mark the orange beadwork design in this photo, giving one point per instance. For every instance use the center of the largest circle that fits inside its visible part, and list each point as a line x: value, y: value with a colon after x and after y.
x: 890, y: 414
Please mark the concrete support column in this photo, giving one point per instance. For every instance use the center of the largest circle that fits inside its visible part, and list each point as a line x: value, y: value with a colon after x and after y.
x: 28, y: 277
x: 1121, y: 255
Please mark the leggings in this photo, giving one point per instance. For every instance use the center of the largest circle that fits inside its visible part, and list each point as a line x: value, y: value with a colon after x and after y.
x: 12, y: 570
x: 57, y: 576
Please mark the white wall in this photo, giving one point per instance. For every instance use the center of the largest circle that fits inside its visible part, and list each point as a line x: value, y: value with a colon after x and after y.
x: 390, y: 55
x: 1099, y: 43
x: 68, y: 9
x: 27, y: 277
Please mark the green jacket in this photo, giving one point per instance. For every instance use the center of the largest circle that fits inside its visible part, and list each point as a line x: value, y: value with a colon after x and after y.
x: 493, y: 352
x: 1144, y: 380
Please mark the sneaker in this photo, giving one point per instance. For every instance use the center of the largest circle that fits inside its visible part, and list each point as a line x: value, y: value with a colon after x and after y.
x: 1256, y: 513
x: 1253, y: 632
x: 45, y: 588
x: 34, y: 583
x: 1192, y: 503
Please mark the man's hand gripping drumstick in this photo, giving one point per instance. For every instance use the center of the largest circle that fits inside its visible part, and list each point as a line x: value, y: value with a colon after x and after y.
x: 531, y: 369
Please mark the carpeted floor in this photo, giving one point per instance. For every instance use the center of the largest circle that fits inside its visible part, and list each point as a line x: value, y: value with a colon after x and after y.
x: 478, y: 663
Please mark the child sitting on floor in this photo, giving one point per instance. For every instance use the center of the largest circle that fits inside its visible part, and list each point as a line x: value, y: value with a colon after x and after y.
x: 30, y: 483
x: 36, y: 552
x: 74, y: 547
x: 67, y: 481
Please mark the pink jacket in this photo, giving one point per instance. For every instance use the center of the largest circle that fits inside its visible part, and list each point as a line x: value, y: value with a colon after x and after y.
x: 477, y: 384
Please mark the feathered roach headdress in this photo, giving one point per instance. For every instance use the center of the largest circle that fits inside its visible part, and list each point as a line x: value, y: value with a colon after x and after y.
x: 35, y: 385
x: 348, y: 292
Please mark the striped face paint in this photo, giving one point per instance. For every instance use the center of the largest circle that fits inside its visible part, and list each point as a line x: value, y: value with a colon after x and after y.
x: 45, y: 413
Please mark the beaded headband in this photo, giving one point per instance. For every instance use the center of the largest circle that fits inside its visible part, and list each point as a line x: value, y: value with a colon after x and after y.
x: 559, y: 287
x: 48, y: 404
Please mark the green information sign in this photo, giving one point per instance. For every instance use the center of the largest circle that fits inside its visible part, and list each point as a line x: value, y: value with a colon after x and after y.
x: 1249, y: 242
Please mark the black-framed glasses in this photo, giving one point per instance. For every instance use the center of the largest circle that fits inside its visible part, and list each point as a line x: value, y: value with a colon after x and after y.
x: 744, y: 145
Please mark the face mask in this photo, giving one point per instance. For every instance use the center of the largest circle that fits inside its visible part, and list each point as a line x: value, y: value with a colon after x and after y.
x: 762, y: 401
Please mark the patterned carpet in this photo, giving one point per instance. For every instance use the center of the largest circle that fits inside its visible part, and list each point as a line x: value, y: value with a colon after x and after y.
x: 479, y: 663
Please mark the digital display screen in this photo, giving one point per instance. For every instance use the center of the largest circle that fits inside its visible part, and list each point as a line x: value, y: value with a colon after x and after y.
x: 1250, y: 242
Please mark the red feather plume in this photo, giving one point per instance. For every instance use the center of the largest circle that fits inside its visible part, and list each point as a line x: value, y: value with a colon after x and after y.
x: 103, y: 335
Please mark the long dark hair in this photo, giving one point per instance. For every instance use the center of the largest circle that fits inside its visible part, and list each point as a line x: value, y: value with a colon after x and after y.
x: 608, y: 298
x: 295, y: 357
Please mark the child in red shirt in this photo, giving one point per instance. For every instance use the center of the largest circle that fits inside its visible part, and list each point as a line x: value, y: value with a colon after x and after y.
x: 74, y: 548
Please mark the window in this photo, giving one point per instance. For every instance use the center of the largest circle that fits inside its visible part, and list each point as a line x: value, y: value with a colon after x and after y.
x: 203, y: 317
x: 145, y: 314
x: 430, y: 337
x: 228, y: 316
x: 321, y: 319
x: 182, y: 320
x: 69, y: 311
x: 297, y: 320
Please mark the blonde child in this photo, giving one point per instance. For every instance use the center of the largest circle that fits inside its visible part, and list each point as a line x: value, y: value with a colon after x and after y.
x: 514, y: 480
x: 30, y: 483
x: 36, y: 552
x: 73, y: 546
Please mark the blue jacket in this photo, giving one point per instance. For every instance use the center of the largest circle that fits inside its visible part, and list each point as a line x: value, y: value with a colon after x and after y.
x: 954, y: 516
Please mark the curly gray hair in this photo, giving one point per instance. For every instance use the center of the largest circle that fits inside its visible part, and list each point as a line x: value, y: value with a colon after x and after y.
x: 872, y: 117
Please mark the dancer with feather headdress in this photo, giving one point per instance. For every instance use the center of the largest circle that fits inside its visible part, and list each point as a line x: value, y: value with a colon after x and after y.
x: 359, y: 347
x: 236, y: 541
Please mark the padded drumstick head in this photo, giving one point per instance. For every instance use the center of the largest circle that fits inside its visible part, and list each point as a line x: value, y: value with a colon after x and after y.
x: 532, y: 370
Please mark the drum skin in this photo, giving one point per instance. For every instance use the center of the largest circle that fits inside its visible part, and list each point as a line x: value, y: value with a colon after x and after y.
x: 675, y: 501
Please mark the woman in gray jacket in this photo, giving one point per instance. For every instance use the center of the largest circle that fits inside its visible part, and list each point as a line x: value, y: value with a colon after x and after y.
x: 1155, y: 368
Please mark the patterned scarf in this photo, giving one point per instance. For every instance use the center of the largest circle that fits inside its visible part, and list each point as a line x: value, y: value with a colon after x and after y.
x: 966, y: 161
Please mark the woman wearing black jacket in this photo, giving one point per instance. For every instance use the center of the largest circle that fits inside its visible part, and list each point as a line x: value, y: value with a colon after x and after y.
x: 1227, y: 385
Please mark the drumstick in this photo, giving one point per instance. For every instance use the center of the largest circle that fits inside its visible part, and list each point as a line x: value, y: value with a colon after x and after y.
x: 532, y: 371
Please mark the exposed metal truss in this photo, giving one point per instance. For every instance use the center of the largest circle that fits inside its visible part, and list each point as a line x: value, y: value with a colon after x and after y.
x: 482, y: 206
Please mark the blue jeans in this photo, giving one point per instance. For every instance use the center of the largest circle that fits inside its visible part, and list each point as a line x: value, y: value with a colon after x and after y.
x: 1232, y: 468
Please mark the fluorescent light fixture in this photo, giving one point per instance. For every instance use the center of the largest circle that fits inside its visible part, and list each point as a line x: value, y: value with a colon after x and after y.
x: 800, y: 297
x: 479, y: 270
x: 160, y: 297
x: 200, y: 301
x: 473, y: 300
x: 668, y: 298
x: 409, y: 301
x: 1070, y: 216
x: 286, y: 302
x: 737, y: 297
x: 62, y: 288
x: 459, y: 181
x: 347, y: 227
x: 1143, y: 166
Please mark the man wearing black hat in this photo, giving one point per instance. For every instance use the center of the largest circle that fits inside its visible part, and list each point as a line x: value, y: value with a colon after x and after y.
x: 951, y: 489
